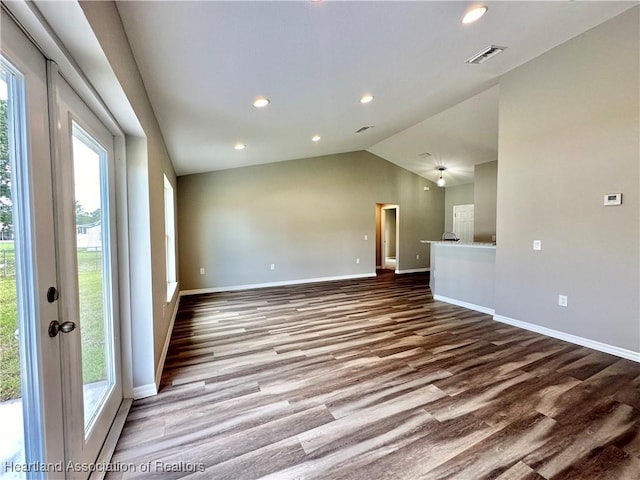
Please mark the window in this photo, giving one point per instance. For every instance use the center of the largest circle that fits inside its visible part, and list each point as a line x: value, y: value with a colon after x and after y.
x: 170, y: 238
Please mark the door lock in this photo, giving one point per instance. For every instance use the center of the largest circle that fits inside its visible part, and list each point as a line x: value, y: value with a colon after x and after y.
x: 64, y: 327
x: 52, y: 294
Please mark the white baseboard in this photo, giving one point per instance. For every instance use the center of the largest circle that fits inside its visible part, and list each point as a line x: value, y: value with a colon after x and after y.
x: 413, y: 270
x: 165, y: 347
x: 567, y: 337
x: 460, y: 303
x: 275, y: 284
x: 144, y: 391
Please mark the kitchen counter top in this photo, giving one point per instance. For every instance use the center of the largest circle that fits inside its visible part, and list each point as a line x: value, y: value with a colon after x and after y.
x: 460, y: 244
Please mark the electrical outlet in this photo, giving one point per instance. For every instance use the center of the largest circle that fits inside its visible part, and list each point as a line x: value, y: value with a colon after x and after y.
x: 357, y: 260
x: 273, y: 266
x: 366, y: 237
x: 562, y: 300
x: 537, y: 244
x: 417, y: 257
x: 201, y: 271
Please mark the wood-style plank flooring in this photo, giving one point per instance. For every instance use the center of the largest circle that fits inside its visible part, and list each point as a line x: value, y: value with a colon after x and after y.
x: 373, y: 379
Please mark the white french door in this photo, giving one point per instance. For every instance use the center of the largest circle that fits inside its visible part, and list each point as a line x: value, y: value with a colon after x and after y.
x: 60, y: 166
x: 85, y: 217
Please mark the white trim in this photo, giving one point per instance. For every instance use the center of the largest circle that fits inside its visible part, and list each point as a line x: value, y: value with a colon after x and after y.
x: 143, y: 391
x: 109, y: 447
x: 567, y: 337
x: 460, y: 303
x: 232, y: 288
x: 171, y: 290
x: 165, y: 348
x: 413, y: 270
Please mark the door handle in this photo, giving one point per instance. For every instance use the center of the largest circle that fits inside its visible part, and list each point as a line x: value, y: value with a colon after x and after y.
x: 64, y: 327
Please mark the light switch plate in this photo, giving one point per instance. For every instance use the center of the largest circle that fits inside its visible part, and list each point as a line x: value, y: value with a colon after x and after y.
x: 537, y: 244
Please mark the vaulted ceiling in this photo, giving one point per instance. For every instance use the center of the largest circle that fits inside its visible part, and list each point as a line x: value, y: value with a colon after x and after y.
x: 204, y: 63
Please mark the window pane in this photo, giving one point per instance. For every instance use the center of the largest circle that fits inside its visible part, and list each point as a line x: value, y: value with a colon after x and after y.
x: 170, y: 242
x: 89, y: 161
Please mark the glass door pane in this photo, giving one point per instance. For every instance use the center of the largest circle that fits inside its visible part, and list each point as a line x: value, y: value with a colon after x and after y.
x: 93, y: 272
x: 29, y: 386
x: 11, y: 442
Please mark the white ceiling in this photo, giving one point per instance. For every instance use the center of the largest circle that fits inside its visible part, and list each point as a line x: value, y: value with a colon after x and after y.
x: 203, y: 64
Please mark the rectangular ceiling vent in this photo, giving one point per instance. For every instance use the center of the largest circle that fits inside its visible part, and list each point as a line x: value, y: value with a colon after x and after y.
x: 486, y: 54
x: 364, y: 129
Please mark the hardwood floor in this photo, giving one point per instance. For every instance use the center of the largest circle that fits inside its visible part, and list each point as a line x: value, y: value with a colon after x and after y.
x: 373, y: 379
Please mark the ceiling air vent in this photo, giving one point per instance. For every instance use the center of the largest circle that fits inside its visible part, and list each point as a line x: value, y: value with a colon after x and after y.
x: 486, y: 54
x: 364, y: 129
x: 424, y: 155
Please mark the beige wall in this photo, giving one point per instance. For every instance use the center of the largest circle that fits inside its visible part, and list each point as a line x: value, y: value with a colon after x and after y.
x: 458, y: 195
x: 148, y: 161
x: 569, y: 135
x: 485, y: 200
x: 308, y: 217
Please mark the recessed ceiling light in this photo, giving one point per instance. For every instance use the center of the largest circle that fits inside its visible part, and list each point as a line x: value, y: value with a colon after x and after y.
x: 240, y: 146
x: 261, y: 102
x: 315, y: 138
x: 474, y: 14
x: 366, y: 98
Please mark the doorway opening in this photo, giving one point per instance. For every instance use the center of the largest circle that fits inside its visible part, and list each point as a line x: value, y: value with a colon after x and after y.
x: 387, y: 237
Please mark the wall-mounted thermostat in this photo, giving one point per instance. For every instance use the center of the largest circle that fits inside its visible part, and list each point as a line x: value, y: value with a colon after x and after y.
x: 613, y: 199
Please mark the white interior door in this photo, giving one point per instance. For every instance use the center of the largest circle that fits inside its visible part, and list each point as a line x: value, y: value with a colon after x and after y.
x: 61, y: 282
x: 463, y: 222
